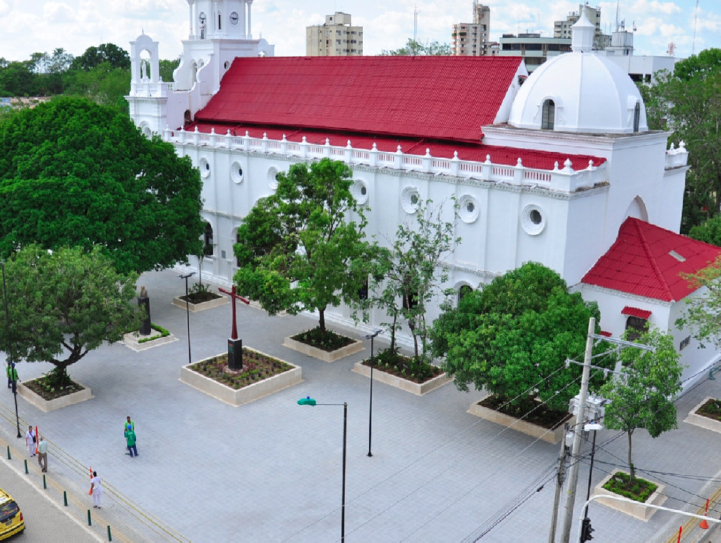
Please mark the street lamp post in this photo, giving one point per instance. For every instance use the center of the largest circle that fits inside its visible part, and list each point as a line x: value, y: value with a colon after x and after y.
x: 311, y: 401
x: 594, y: 427
x: 187, y: 308
x: 371, y: 336
x: 9, y: 361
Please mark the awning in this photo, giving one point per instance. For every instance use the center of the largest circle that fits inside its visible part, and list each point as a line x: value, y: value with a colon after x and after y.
x: 636, y: 312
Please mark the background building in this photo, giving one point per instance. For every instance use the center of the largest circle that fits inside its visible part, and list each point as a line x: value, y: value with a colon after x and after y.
x: 639, y: 68
x: 471, y: 39
x: 335, y: 38
x: 534, y: 48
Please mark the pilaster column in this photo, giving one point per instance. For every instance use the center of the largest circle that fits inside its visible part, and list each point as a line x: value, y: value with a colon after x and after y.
x: 250, y: 28
x: 190, y: 14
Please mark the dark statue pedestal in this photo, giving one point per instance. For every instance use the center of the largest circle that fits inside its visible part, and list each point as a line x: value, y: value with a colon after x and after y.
x: 235, y: 354
x: 145, y: 327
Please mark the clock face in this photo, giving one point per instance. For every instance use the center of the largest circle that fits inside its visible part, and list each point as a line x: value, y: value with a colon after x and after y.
x: 202, y: 17
x: 234, y: 18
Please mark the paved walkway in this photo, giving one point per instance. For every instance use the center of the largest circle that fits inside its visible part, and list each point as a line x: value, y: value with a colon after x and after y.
x: 270, y: 471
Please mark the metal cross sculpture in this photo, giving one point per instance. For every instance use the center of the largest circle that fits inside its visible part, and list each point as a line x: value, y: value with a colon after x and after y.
x: 233, y: 297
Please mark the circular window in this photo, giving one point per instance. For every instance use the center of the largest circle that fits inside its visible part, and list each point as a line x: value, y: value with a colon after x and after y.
x: 533, y: 220
x: 226, y: 65
x: 410, y: 199
x: 234, y: 18
x: 359, y: 190
x: 273, y: 178
x: 236, y: 172
x: 204, y: 167
x: 468, y: 209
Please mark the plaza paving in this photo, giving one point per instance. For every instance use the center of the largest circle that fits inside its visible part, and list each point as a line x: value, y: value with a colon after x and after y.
x: 270, y: 471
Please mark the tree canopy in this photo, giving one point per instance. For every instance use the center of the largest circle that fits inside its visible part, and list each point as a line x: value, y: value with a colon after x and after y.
x: 702, y: 312
x: 642, y: 395
x: 300, y: 249
x: 65, y: 303
x: 74, y: 173
x: 513, y: 336
x: 688, y: 101
x: 415, y: 48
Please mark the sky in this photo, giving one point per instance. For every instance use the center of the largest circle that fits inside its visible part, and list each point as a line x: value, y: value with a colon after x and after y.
x: 30, y: 26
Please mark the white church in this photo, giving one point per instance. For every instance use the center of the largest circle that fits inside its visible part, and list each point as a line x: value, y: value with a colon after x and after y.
x: 558, y: 167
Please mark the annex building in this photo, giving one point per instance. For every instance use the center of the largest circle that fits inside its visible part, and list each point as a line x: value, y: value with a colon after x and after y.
x: 558, y: 167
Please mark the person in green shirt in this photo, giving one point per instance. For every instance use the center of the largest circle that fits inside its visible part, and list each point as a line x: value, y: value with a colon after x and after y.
x: 12, y: 374
x: 130, y: 440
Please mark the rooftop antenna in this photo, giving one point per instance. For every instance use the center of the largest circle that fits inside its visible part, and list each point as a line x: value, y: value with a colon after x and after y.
x: 695, y: 20
x: 617, y: 14
x: 415, y: 21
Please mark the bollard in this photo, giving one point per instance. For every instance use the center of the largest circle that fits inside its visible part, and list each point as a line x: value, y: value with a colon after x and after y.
x: 45, y: 484
x: 26, y: 466
x: 110, y: 536
x: 65, y: 498
x: 90, y: 522
x: 9, y: 458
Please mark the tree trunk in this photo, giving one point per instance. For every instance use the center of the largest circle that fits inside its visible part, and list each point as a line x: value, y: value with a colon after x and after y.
x: 632, y: 471
x: 393, y: 332
x: 321, y: 320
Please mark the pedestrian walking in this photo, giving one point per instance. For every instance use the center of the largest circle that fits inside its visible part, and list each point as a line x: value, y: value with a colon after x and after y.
x: 8, y: 370
x: 96, y: 490
x: 30, y: 439
x: 12, y: 374
x: 43, y: 454
x: 130, y: 440
x: 130, y: 422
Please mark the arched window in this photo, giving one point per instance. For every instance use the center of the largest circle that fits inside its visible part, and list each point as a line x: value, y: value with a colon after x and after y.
x: 465, y: 289
x: 636, y: 116
x: 549, y: 115
x: 208, y: 240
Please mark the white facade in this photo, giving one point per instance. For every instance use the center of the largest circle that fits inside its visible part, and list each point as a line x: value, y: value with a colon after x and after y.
x: 565, y: 218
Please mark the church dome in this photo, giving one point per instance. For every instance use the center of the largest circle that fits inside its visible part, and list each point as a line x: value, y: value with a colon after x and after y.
x: 580, y: 92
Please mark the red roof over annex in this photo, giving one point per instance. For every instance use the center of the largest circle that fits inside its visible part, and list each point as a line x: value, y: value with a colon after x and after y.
x: 649, y: 261
x: 425, y: 96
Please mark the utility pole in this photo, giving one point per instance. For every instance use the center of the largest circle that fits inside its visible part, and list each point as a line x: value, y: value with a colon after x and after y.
x: 559, y: 485
x: 576, y: 448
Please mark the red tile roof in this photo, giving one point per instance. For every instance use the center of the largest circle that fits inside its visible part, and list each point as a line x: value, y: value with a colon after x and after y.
x: 425, y: 96
x: 476, y: 152
x: 648, y: 261
x: 636, y: 312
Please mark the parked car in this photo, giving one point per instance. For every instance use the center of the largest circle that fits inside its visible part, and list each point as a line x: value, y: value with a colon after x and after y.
x: 11, y: 518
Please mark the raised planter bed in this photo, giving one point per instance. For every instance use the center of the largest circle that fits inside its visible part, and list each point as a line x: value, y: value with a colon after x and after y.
x: 320, y: 354
x: 210, y: 304
x: 635, y: 510
x: 534, y: 430
x: 418, y: 389
x: 243, y: 395
x: 58, y: 403
x: 701, y: 420
x: 132, y: 341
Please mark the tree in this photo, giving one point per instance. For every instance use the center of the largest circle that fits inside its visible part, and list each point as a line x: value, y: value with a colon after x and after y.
x: 416, y: 48
x: 409, y: 275
x: 106, y: 52
x: 65, y: 303
x: 688, y: 101
x: 167, y: 67
x: 702, y: 313
x: 73, y: 173
x: 513, y: 335
x: 299, y: 249
x: 641, y: 397
x: 708, y: 231
x: 103, y: 84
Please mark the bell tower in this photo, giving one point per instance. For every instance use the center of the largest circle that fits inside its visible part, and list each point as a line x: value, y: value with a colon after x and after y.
x: 217, y: 19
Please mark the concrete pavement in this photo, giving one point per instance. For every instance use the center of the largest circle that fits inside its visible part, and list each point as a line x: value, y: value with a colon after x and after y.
x: 270, y: 471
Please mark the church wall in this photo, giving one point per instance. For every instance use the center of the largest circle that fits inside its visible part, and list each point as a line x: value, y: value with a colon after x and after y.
x: 584, y: 233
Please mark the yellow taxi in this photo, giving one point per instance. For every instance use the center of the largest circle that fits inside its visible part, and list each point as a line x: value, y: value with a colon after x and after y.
x: 11, y: 518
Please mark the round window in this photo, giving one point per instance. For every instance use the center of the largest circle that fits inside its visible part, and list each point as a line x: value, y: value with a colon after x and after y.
x: 359, y: 190
x: 204, y: 167
x: 410, y: 199
x: 468, y: 209
x: 363, y: 191
x: 533, y: 220
x: 236, y: 172
x: 273, y: 178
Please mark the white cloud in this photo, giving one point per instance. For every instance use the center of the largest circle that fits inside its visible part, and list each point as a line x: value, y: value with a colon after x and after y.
x: 4, y: 8
x: 57, y: 12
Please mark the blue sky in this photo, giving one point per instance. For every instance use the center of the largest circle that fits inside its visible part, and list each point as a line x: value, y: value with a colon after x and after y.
x: 37, y: 25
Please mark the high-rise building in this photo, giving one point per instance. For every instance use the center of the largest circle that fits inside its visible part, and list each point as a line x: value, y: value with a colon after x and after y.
x: 562, y: 29
x: 471, y: 39
x: 335, y: 38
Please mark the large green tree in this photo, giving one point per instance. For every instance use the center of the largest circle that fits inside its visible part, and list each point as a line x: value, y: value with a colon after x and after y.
x: 414, y: 48
x: 106, y: 52
x: 513, y: 336
x: 65, y: 303
x: 688, y: 101
x: 702, y: 312
x: 300, y: 249
x: 74, y: 173
x: 642, y: 396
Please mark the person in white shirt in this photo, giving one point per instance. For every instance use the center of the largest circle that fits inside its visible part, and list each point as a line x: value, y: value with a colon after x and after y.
x: 96, y: 490
x: 30, y: 441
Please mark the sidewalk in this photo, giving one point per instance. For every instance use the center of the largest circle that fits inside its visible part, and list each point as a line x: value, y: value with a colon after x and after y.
x: 270, y: 471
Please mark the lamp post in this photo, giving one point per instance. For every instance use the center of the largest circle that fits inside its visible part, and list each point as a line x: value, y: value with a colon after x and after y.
x: 9, y: 361
x: 311, y: 401
x: 187, y: 308
x: 594, y: 427
x: 371, y: 336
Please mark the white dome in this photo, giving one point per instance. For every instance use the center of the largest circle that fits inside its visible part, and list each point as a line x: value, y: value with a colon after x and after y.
x: 589, y: 94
